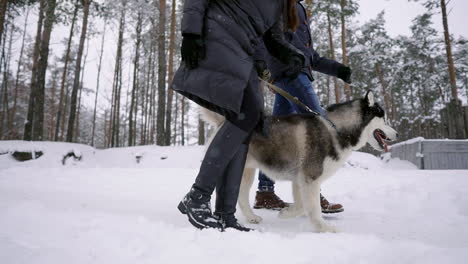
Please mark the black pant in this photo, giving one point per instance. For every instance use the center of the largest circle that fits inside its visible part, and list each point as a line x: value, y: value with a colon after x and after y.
x: 252, y: 107
x: 224, y: 161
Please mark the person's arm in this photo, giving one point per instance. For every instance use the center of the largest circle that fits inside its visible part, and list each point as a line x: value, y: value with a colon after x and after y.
x: 193, y: 16
x: 330, y: 67
x: 324, y: 65
x: 260, y: 64
x: 278, y: 47
x: 193, y: 44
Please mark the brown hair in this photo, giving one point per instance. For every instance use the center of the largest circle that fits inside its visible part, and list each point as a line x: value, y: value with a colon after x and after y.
x: 293, y: 18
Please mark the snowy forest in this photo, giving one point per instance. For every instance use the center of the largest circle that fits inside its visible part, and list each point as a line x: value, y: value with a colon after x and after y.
x: 46, y: 94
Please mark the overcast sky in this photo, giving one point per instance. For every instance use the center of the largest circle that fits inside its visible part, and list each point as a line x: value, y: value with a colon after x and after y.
x: 399, y: 14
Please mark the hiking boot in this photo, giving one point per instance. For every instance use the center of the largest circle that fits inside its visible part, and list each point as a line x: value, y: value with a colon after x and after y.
x: 230, y: 221
x: 198, y: 209
x: 268, y: 200
x: 330, y: 208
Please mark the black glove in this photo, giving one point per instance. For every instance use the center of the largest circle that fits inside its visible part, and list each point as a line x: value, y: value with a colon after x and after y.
x: 295, y: 66
x: 344, y: 73
x: 262, y: 70
x: 192, y: 50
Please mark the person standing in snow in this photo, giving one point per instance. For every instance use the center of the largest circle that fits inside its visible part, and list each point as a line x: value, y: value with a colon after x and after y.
x: 217, y: 72
x: 301, y: 87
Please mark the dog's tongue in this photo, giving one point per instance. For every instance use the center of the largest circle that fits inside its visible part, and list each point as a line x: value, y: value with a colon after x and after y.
x: 384, y: 143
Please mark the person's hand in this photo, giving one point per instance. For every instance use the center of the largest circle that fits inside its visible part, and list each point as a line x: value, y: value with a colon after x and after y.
x: 262, y: 70
x: 192, y: 50
x: 295, y: 66
x: 344, y: 73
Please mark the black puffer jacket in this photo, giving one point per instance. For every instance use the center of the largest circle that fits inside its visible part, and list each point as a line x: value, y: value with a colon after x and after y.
x: 302, y: 40
x: 232, y: 30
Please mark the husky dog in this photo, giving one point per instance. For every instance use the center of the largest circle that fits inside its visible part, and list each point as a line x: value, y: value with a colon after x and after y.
x: 306, y: 149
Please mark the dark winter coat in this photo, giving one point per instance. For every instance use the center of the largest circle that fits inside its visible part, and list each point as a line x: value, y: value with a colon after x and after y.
x: 302, y: 40
x: 232, y: 30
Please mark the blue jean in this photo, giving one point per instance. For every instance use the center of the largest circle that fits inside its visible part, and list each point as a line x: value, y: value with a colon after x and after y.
x: 302, y: 88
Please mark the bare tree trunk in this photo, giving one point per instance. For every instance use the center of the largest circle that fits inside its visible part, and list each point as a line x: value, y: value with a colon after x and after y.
x: 393, y: 113
x: 106, y: 129
x: 117, y: 85
x: 152, y: 112
x: 97, y: 83
x: 145, y: 101
x: 12, y: 126
x: 52, y: 105
x: 38, y: 126
x: 133, y: 105
x: 127, y: 101
x: 3, y: 9
x: 112, y: 106
x: 176, y: 115
x: 448, y: 48
x: 182, y: 123
x: 201, y: 132
x: 64, y: 76
x: 6, y: 72
x: 152, y: 107
x: 332, y: 53
x: 347, y: 87
x: 170, y: 92
x: 76, y: 82
x: 118, y: 102
x: 66, y: 108
x: 78, y: 111
x: 28, y: 127
x: 309, y: 8
x: 162, y: 68
x: 378, y: 69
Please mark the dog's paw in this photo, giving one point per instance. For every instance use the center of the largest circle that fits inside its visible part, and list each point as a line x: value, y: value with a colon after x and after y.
x: 290, y: 212
x: 254, y: 219
x: 326, y: 228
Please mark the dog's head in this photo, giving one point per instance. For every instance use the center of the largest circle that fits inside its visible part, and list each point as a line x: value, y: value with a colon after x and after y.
x: 377, y: 132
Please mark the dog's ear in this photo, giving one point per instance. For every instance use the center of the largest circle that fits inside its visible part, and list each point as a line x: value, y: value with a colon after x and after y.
x: 370, y: 98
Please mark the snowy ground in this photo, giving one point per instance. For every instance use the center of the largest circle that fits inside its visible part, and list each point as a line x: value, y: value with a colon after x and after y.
x: 109, y: 209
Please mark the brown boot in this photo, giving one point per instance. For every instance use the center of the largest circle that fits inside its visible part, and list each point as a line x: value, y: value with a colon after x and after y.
x: 330, y: 208
x: 268, y: 200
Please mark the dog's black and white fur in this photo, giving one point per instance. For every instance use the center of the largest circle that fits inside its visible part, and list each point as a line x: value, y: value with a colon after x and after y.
x: 306, y: 150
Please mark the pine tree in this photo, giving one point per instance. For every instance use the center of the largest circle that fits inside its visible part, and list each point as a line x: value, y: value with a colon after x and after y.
x: 28, y: 127
x: 133, y: 103
x: 61, y: 105
x: 170, y: 92
x: 76, y: 81
x: 12, y: 126
x: 442, y: 4
x: 34, y: 129
x: 162, y: 68
x: 3, y: 9
x: 101, y: 53
x: 114, y: 124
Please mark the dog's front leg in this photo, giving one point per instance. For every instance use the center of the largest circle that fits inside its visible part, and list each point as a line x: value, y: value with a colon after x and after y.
x: 243, y: 201
x: 310, y: 193
x: 296, y: 209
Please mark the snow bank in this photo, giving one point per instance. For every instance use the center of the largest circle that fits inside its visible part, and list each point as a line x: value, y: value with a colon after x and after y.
x: 143, y: 157
x: 108, y: 208
x: 132, y: 157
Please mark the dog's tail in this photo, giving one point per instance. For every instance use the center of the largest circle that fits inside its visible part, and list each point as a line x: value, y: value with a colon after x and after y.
x: 211, y: 117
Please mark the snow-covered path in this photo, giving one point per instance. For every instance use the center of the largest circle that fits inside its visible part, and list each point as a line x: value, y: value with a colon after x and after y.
x: 108, y: 209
